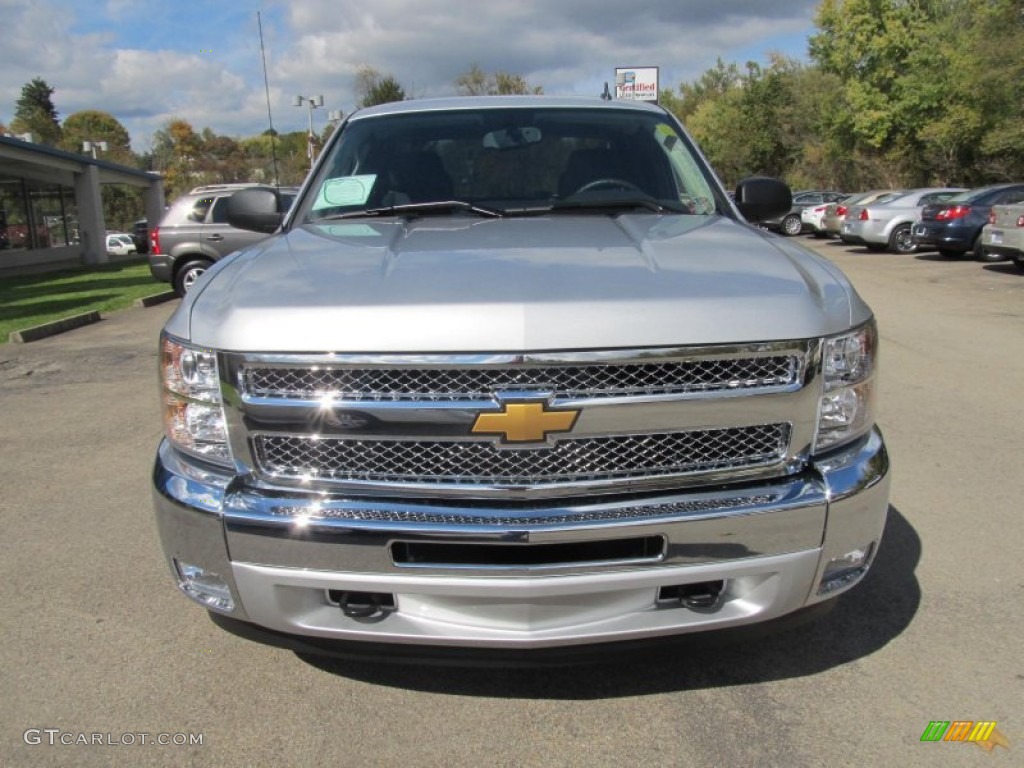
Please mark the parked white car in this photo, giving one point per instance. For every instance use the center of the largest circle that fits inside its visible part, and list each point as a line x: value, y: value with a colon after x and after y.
x: 886, y: 225
x: 813, y: 217
x: 120, y: 244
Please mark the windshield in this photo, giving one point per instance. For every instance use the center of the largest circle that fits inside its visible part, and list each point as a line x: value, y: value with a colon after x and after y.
x: 510, y: 161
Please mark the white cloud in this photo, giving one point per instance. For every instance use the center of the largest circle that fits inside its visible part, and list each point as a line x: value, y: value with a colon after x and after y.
x: 103, y: 61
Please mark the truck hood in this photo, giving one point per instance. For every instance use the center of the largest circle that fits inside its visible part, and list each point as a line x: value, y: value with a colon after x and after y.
x: 566, y: 282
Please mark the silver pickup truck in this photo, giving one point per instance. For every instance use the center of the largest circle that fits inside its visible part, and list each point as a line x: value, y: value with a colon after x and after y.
x: 516, y: 373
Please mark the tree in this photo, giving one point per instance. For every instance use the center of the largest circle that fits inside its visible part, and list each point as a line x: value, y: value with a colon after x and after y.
x: 374, y: 88
x: 476, y: 82
x: 175, y: 154
x: 713, y: 84
x: 36, y: 114
x: 94, y: 125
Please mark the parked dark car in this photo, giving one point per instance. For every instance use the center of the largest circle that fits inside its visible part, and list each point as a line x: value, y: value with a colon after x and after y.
x: 791, y: 223
x: 140, y: 235
x: 953, y: 227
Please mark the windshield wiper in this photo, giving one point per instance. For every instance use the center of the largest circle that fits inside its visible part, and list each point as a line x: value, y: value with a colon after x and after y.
x: 617, y: 204
x: 413, y: 209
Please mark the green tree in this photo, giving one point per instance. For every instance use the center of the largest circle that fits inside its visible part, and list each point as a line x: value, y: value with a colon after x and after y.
x: 36, y: 114
x: 713, y: 84
x: 876, y: 48
x: 747, y: 123
x: 476, y: 82
x: 374, y: 88
x: 94, y: 125
x: 176, y: 152
x: 975, y: 133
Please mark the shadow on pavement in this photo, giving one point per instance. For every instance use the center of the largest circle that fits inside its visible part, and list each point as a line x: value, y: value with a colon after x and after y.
x: 1005, y: 268
x: 863, y: 621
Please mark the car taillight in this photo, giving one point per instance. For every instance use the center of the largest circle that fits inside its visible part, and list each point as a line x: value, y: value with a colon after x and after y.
x: 154, y: 240
x: 953, y: 212
x: 1020, y: 221
x: 863, y: 214
x: 841, y: 210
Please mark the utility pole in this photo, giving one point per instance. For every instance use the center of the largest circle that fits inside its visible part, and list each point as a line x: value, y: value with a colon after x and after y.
x: 313, y: 102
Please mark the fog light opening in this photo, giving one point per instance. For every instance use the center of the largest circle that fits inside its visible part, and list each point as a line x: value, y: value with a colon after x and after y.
x: 701, y: 595
x: 846, y: 570
x: 205, y: 587
x: 362, y: 605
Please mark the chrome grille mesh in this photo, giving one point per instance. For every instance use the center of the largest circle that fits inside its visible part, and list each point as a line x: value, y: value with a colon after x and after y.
x: 483, y: 463
x: 482, y: 382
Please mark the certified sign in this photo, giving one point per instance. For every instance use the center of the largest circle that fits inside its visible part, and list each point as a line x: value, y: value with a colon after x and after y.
x: 636, y: 83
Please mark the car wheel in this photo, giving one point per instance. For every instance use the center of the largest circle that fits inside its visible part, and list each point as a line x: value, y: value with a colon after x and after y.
x: 982, y: 255
x: 792, y: 226
x: 901, y: 241
x: 187, y: 275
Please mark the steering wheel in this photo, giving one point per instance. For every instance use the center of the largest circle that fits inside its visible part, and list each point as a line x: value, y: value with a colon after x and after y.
x: 609, y: 182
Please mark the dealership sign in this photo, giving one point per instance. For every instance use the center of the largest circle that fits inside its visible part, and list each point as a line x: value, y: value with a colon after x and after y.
x: 636, y: 83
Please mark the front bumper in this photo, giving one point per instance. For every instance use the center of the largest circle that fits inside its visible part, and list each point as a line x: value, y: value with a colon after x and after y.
x: 285, y: 556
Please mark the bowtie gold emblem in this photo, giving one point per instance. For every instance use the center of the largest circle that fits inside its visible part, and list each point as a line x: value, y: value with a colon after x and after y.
x: 524, y: 422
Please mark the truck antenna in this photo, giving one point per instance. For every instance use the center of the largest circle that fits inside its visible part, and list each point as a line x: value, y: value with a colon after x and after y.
x: 266, y: 87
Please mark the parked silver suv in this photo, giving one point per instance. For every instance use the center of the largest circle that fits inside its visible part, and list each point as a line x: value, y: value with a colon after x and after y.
x: 195, y: 232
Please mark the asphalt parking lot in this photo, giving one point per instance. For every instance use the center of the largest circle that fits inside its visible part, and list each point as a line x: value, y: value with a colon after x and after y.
x: 97, y: 640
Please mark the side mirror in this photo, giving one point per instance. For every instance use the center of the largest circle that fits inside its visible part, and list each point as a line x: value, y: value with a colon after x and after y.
x: 258, y: 209
x: 760, y: 198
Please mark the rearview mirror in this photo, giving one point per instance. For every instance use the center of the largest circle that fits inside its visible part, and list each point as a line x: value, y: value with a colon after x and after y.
x: 507, y: 138
x: 760, y: 197
x: 260, y: 209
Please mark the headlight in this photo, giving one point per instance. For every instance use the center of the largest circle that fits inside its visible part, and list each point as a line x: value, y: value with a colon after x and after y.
x: 193, y: 415
x: 847, y: 409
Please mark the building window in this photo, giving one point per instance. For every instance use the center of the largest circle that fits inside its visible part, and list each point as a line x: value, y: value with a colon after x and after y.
x: 47, y: 213
x: 14, y: 229
x: 36, y: 215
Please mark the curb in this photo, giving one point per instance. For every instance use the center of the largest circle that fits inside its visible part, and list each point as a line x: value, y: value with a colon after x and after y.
x: 37, y: 332
x: 156, y: 298
x: 46, y: 330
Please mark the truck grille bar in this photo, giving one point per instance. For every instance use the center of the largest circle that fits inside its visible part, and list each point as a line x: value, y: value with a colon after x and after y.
x: 482, y: 463
x: 426, y: 384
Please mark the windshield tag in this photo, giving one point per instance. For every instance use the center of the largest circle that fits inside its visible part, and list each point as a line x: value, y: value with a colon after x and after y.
x: 345, y: 190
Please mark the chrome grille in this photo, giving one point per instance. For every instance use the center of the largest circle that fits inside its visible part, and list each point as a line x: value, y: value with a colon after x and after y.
x: 382, y: 383
x: 483, y: 463
x: 500, y: 518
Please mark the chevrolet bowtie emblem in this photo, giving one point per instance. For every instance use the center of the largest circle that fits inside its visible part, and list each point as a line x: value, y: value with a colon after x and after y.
x: 524, y: 422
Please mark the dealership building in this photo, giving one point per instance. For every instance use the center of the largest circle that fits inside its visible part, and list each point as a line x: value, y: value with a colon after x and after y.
x: 51, y: 208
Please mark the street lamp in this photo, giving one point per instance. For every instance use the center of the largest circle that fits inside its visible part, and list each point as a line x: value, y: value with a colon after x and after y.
x: 314, y: 102
x: 94, y: 145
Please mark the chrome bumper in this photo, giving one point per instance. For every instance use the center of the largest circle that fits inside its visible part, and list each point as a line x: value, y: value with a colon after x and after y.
x: 282, y: 554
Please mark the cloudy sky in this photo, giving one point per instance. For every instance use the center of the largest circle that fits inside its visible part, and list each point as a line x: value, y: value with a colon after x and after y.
x: 145, y: 61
